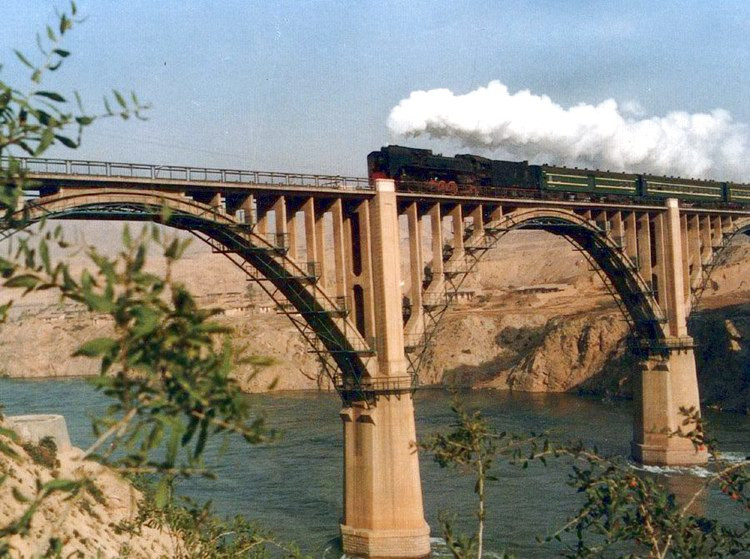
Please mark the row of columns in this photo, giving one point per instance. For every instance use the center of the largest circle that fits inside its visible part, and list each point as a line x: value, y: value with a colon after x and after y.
x: 383, y: 513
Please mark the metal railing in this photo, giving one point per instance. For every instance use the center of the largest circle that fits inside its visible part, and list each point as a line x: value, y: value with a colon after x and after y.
x: 80, y: 168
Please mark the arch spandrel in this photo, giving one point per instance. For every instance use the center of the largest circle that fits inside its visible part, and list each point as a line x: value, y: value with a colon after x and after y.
x: 631, y: 291
x: 738, y: 228
x: 322, y: 323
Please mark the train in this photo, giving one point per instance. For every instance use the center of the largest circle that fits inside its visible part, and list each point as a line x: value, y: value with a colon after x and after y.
x: 419, y: 170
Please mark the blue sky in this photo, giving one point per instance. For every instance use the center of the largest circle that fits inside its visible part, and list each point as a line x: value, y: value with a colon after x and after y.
x: 307, y: 86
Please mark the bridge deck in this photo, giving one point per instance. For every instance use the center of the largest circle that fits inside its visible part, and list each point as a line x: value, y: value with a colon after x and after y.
x: 73, y: 173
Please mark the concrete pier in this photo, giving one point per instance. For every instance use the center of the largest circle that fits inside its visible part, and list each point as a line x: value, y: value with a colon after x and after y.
x: 668, y: 380
x: 383, y: 510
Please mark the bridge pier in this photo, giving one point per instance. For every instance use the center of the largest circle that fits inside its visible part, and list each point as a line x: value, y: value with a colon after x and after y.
x: 383, y: 510
x: 668, y: 381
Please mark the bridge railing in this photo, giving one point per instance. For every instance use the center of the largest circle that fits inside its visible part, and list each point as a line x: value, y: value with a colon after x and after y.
x: 74, y: 167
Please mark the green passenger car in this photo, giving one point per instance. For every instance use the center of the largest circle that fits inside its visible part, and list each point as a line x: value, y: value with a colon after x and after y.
x: 594, y: 182
x: 563, y: 179
x: 738, y: 193
x: 684, y: 189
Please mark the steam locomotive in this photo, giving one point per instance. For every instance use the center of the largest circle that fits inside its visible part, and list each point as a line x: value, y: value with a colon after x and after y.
x: 419, y: 170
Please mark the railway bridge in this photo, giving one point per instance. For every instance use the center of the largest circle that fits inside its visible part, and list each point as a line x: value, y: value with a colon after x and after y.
x: 371, y: 331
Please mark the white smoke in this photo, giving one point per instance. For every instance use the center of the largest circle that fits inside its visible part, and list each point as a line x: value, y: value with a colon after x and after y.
x: 528, y: 126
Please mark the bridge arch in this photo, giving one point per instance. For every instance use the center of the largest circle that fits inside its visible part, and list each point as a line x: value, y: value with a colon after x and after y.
x: 343, y: 352
x: 619, y: 273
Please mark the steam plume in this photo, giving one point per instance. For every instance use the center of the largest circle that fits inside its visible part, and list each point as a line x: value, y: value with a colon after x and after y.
x: 605, y: 136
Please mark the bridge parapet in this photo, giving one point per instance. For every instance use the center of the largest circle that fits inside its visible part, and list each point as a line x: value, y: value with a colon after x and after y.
x: 138, y: 172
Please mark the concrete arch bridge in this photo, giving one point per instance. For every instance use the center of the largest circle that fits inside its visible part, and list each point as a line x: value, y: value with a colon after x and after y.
x: 371, y: 332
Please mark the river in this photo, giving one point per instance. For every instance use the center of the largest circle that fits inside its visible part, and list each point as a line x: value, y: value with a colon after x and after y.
x: 294, y: 484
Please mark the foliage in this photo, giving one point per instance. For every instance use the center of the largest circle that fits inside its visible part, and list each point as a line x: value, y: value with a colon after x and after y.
x: 44, y: 453
x: 472, y: 446
x: 198, y: 533
x: 623, y: 514
x: 33, y: 120
x: 166, y: 366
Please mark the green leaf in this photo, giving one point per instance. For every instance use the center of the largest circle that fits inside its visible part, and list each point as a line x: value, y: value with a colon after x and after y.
x: 51, y: 95
x: 18, y: 496
x: 62, y: 53
x: 23, y: 59
x: 26, y: 281
x: 120, y: 99
x: 44, y: 255
x: 47, y: 138
x: 96, y: 347
x: 67, y: 142
x: 10, y: 433
x: 67, y: 485
x: 161, y: 496
x: 64, y: 24
x: 7, y: 450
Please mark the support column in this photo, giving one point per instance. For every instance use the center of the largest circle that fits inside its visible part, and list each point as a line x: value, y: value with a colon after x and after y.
x: 717, y: 234
x: 339, y: 257
x: 644, y: 247
x: 685, y: 239
x: 436, y: 219
x: 477, y: 218
x: 247, y: 209
x: 366, y: 276
x: 696, y: 264
x: 707, y: 251
x: 496, y: 214
x: 320, y: 244
x: 261, y: 211
x: 674, y: 278
x: 659, y: 266
x: 668, y: 379
x: 311, y: 246
x: 279, y: 210
x: 383, y: 511
x: 291, y: 230
x: 457, y: 220
x: 617, y: 229
x: 416, y: 262
x: 631, y: 241
x: 217, y: 202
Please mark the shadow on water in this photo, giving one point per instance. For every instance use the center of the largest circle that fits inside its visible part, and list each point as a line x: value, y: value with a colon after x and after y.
x: 294, y: 485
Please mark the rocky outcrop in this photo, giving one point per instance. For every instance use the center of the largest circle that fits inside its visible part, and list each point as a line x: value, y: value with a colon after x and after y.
x: 533, y: 354
x: 88, y: 523
x: 723, y: 356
